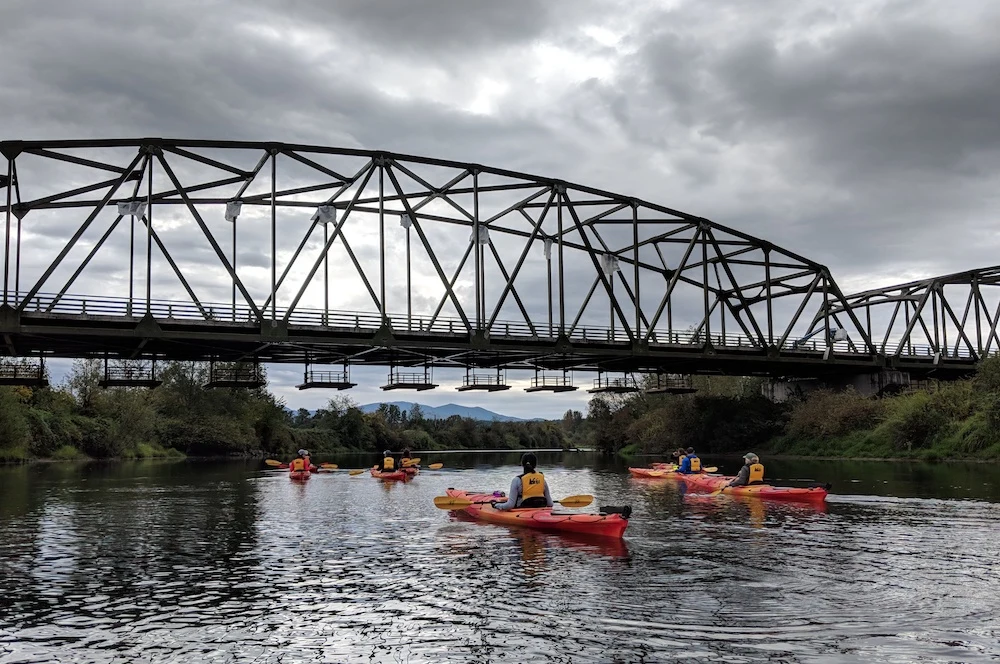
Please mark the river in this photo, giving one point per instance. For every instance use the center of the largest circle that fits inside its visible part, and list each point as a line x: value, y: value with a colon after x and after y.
x: 228, y: 562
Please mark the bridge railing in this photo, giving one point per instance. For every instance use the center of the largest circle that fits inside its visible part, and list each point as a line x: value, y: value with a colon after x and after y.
x: 171, y: 310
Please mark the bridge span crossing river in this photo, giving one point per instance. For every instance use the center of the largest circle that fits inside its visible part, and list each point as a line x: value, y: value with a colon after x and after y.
x: 228, y: 562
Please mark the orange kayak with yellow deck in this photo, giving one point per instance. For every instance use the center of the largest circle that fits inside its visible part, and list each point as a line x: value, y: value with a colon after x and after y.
x: 544, y: 518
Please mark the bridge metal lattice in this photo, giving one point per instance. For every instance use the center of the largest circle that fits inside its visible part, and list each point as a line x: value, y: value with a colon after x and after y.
x: 131, y: 249
x: 947, y: 318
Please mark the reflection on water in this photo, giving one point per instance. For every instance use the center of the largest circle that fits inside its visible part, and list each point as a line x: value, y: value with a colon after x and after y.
x: 225, y: 562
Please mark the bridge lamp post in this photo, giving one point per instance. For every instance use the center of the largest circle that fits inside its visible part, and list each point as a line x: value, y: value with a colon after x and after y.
x: 326, y: 215
x: 609, y: 265
x: 547, y: 248
x: 233, y: 209
x: 133, y: 209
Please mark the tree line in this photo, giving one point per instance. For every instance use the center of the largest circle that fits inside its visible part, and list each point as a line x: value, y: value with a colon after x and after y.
x: 182, y: 417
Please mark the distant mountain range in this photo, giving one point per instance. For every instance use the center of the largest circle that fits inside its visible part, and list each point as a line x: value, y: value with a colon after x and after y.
x: 446, y: 411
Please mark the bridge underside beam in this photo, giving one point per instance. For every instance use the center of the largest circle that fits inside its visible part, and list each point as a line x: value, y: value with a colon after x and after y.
x: 222, y: 341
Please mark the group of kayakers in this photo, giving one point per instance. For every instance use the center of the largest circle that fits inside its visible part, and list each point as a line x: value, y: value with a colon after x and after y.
x: 529, y: 489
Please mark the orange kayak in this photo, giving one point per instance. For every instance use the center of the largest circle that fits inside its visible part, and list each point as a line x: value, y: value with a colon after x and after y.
x: 707, y: 483
x: 545, y: 518
x: 411, y: 470
x: 298, y: 474
x: 652, y: 473
x: 393, y: 475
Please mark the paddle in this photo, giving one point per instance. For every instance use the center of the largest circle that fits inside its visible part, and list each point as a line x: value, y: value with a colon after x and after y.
x: 278, y: 464
x: 667, y: 473
x: 455, y: 503
x: 330, y: 466
x: 411, y: 462
x: 435, y: 466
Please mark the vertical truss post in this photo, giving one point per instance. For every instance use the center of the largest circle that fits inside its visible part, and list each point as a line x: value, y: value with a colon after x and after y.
x: 476, y: 248
x: 149, y: 239
x: 770, y: 311
x: 868, y: 317
x: 562, y: 290
x: 17, y: 260
x: 409, y: 291
x: 274, y: 237
x: 979, y: 330
x: 635, y: 267
x: 944, y: 324
x: 381, y: 241
x: 6, y: 255
x: 326, y: 276
x: 826, y: 314
x: 909, y: 339
x: 704, y: 279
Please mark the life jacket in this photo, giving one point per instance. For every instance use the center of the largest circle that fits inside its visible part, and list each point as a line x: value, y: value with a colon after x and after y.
x: 695, y: 464
x: 298, y: 464
x: 532, y: 485
x: 404, y: 461
x: 756, y: 473
x: 388, y: 463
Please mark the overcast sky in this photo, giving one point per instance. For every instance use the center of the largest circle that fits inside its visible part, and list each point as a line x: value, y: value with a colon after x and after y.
x: 863, y: 135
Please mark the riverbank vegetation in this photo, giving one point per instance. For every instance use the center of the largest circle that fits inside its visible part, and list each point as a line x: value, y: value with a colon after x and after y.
x: 181, y: 417
x: 954, y: 420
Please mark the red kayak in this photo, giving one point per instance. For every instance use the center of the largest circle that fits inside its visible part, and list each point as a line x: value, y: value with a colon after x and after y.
x: 392, y: 475
x: 708, y: 483
x: 411, y: 470
x: 299, y: 475
x: 545, y: 518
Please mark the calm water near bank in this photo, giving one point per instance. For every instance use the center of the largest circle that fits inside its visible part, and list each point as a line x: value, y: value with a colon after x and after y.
x: 227, y: 562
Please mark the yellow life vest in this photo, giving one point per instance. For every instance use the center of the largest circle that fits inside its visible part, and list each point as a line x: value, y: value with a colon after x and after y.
x: 297, y: 464
x: 388, y: 463
x: 532, y: 486
x: 756, y: 473
x: 695, y: 465
x: 405, y: 461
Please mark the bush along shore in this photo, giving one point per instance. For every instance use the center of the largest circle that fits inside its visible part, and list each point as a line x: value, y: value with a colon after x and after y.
x: 955, y: 420
x: 181, y: 418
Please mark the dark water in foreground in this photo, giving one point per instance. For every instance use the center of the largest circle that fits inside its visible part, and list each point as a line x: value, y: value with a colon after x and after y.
x: 224, y: 562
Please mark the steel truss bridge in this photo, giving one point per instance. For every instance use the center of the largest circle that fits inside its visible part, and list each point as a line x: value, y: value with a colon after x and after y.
x: 228, y: 251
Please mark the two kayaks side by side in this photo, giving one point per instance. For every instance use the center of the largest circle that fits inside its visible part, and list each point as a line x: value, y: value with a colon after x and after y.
x: 544, y: 518
x: 708, y: 483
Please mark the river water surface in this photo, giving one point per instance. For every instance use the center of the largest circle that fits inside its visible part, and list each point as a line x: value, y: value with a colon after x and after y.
x: 228, y: 562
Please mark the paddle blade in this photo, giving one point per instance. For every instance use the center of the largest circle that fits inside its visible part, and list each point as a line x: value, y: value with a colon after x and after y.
x: 435, y: 466
x: 272, y: 462
x: 451, y: 503
x: 711, y: 469
x: 576, y: 501
x: 331, y: 466
x: 412, y: 462
x: 353, y: 473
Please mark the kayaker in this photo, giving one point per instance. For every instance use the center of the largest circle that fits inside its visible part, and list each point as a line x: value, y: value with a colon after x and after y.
x: 529, y: 489
x: 404, y: 458
x: 689, y: 463
x: 301, y: 462
x: 752, y: 471
x: 388, y: 462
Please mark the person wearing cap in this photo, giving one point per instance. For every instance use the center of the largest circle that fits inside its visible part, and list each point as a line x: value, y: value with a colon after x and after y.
x: 689, y: 463
x: 529, y: 489
x: 301, y: 462
x: 388, y: 462
x: 752, y: 471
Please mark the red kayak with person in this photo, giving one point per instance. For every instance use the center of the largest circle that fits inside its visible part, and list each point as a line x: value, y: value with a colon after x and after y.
x: 301, y: 466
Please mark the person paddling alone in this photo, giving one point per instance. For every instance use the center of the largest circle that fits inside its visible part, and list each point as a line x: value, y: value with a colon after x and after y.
x: 752, y: 471
x: 301, y: 462
x: 689, y: 463
x: 529, y: 489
